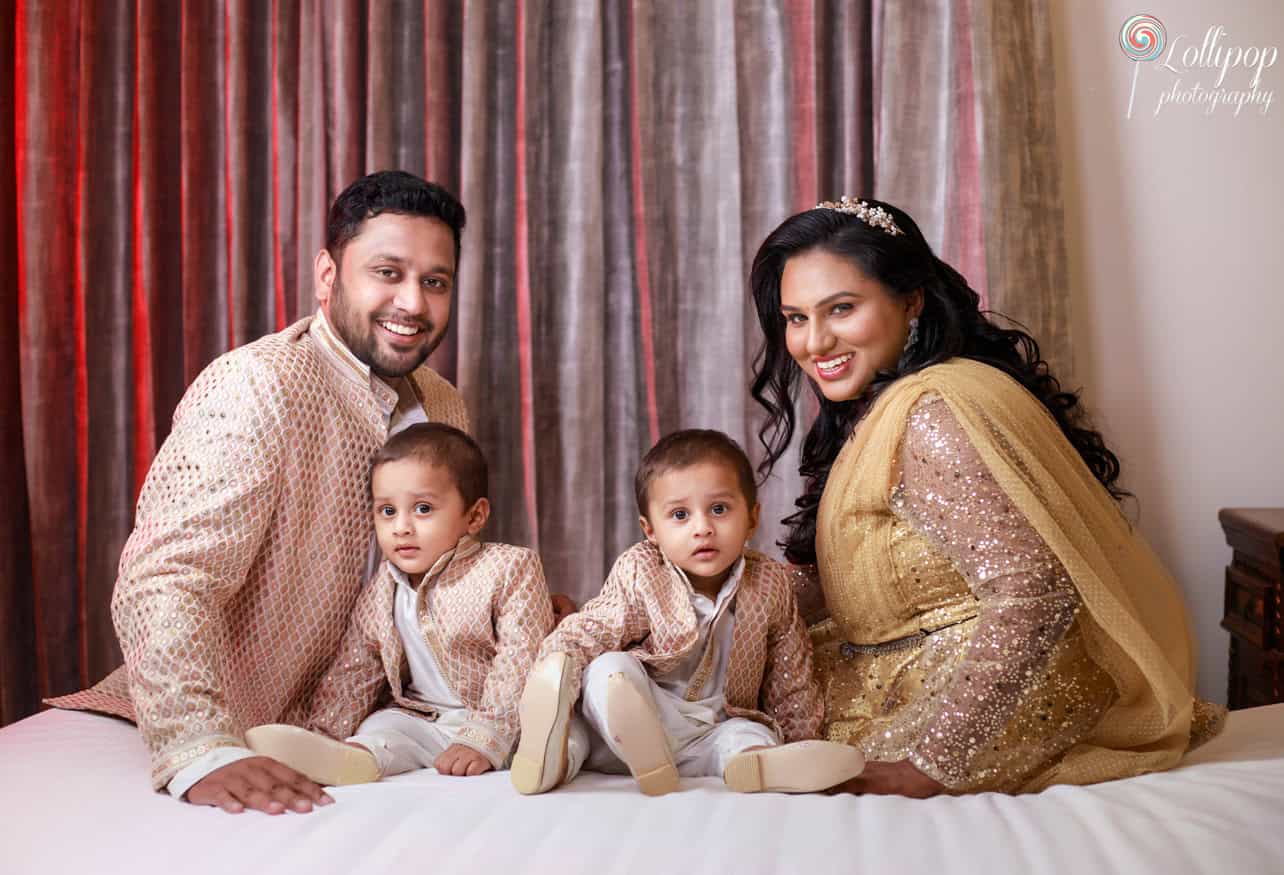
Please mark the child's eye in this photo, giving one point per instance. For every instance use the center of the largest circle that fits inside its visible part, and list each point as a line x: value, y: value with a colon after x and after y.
x: 679, y: 515
x: 719, y: 509
x: 386, y: 510
x: 423, y: 507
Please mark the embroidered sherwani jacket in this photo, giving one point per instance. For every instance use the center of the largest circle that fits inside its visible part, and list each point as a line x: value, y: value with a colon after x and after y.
x: 488, y: 612
x: 251, y: 542
x: 645, y: 607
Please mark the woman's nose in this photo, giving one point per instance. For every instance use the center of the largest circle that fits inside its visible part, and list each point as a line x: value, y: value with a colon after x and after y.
x: 819, y: 339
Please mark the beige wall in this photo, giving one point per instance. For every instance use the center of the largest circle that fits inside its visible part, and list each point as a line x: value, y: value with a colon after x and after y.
x: 1173, y: 226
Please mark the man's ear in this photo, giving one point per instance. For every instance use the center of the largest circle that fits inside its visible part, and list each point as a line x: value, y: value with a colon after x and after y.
x: 324, y: 271
x: 478, y: 514
x: 646, y: 529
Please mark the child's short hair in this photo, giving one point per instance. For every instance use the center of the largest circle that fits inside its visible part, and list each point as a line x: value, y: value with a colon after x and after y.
x: 682, y: 449
x: 436, y: 443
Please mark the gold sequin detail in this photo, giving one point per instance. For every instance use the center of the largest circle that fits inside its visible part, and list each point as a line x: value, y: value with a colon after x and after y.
x: 1005, y: 686
x: 250, y: 545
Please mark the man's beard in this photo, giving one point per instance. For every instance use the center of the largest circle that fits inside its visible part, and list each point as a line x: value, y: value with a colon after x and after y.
x: 358, y: 334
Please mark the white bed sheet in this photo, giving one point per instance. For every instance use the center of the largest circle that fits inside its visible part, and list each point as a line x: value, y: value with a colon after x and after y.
x: 74, y: 797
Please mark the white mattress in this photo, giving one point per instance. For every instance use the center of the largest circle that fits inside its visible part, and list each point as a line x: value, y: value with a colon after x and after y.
x: 74, y: 797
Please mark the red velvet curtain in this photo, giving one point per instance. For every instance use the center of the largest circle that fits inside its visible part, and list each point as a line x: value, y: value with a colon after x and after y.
x: 620, y: 161
x: 171, y: 165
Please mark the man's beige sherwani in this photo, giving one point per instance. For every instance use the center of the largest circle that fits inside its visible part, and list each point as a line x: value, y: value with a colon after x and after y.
x: 483, y: 610
x: 251, y: 542
x: 645, y: 607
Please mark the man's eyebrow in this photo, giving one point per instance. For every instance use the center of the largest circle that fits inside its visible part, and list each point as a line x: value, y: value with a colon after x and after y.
x: 389, y: 258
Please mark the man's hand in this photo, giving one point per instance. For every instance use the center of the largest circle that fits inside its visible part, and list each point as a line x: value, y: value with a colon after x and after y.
x: 459, y: 759
x: 892, y: 779
x: 260, y: 783
x: 563, y: 607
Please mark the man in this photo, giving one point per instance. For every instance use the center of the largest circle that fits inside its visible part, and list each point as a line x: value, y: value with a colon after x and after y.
x: 253, y: 534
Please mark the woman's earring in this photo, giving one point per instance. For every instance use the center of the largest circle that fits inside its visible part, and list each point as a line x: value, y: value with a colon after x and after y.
x: 913, y: 335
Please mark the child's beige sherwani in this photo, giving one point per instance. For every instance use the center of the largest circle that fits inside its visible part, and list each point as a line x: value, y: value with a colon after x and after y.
x: 488, y: 612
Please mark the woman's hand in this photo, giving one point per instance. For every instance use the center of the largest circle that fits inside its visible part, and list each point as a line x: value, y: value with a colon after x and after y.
x: 892, y: 779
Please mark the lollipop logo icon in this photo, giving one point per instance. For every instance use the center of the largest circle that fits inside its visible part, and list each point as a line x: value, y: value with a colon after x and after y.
x: 1142, y: 38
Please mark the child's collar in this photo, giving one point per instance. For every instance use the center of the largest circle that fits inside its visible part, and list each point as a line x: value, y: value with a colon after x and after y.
x: 733, y: 578
x: 464, y: 547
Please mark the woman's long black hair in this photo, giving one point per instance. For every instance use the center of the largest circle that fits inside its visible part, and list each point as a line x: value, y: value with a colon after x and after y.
x: 951, y: 325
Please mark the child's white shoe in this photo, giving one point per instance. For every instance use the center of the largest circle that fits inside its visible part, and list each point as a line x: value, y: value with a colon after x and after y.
x: 801, y: 767
x: 636, y: 729
x: 540, y: 761
x: 324, y: 760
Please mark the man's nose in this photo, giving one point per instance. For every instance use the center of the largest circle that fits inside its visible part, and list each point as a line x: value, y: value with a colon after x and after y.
x: 410, y: 298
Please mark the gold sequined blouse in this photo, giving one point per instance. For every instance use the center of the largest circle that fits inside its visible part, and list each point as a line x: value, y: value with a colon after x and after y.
x: 956, y: 635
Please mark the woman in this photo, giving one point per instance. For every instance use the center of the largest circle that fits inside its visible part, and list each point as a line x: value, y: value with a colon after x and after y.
x: 995, y: 623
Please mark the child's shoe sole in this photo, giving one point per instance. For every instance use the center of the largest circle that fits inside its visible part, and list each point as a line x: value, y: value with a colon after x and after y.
x: 539, y: 764
x: 643, y: 745
x: 801, y: 767
x: 322, y: 759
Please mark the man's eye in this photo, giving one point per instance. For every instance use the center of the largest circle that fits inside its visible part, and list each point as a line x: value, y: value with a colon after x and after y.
x: 385, y: 273
x: 423, y: 507
x: 435, y: 282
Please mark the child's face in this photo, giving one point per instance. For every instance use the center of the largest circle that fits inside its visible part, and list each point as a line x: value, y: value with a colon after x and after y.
x: 700, y: 519
x: 419, y: 513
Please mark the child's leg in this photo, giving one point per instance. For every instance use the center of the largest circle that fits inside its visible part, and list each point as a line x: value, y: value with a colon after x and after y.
x: 551, y: 747
x: 800, y: 767
x: 324, y: 760
x: 618, y: 702
x: 401, y: 741
x: 708, y: 754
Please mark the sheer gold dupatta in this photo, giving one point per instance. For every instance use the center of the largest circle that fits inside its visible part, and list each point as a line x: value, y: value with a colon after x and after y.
x: 1134, y: 624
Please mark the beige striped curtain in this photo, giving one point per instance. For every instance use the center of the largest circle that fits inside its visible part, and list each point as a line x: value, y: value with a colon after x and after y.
x: 170, y: 165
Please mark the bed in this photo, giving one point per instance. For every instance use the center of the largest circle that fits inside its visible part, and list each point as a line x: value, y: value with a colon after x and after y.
x: 75, y: 798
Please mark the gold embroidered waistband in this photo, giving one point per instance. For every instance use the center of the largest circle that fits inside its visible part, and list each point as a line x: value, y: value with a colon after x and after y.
x: 850, y: 649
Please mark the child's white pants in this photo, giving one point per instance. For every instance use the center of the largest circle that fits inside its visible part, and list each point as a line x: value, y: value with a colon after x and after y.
x: 701, y: 743
x: 402, y: 741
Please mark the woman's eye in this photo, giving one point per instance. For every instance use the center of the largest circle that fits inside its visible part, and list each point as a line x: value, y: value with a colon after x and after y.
x: 795, y: 318
x: 842, y: 309
x: 423, y: 508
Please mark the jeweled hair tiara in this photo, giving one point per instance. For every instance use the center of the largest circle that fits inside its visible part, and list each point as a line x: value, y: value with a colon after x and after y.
x: 875, y: 217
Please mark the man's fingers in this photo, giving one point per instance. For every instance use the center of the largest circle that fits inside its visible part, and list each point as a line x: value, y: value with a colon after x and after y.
x: 477, y: 766
x: 228, y: 803
x: 261, y: 800
x: 302, y: 785
x: 458, y: 767
x: 291, y: 798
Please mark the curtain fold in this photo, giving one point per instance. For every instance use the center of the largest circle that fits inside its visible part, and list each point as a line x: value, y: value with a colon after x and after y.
x: 171, y: 165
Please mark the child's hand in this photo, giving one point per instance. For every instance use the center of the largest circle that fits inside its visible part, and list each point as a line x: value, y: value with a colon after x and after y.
x: 563, y: 607
x: 459, y: 759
